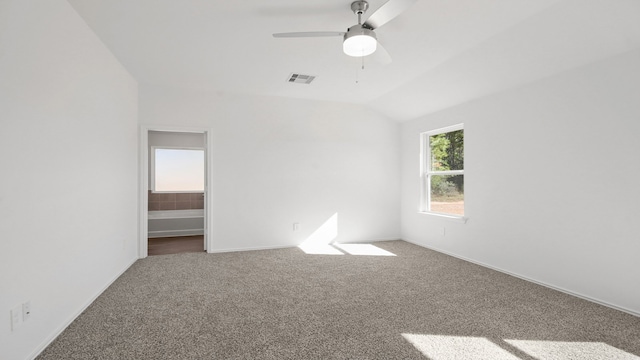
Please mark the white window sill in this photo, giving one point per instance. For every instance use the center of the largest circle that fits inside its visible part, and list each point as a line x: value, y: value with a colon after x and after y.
x: 460, y: 219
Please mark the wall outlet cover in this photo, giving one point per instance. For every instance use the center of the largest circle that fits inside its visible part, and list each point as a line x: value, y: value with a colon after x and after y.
x: 16, y: 317
x: 26, y: 310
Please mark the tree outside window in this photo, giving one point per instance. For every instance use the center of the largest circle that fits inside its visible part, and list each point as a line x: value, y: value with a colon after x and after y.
x: 443, y: 171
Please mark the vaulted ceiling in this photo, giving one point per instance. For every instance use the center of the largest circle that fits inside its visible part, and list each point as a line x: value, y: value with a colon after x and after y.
x: 444, y: 52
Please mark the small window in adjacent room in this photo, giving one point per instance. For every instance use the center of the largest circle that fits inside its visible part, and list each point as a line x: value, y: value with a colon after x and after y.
x: 177, y: 170
x: 442, y: 171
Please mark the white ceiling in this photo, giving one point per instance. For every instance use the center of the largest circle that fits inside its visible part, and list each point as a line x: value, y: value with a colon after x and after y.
x: 445, y: 52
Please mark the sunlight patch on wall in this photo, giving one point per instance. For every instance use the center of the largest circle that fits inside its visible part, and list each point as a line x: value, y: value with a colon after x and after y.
x: 560, y: 350
x: 441, y: 347
x: 318, y: 243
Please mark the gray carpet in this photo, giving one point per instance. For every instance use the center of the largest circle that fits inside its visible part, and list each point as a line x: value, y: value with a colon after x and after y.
x: 285, y: 304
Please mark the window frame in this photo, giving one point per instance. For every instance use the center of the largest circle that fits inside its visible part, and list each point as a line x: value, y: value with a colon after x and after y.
x: 426, y: 172
x: 152, y: 164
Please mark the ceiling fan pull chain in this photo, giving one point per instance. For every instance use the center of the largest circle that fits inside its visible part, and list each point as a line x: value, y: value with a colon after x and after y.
x: 358, y: 71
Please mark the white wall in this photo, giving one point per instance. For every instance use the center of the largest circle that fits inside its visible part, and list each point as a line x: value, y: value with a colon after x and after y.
x: 277, y: 161
x: 68, y: 157
x: 551, y: 182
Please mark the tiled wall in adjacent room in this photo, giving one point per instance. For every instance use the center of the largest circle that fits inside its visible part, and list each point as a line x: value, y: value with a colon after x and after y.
x: 175, y: 201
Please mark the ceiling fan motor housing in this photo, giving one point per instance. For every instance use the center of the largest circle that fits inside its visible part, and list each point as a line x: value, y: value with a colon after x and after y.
x: 359, y: 41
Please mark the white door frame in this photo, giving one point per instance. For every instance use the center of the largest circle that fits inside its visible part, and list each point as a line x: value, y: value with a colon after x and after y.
x: 143, y: 186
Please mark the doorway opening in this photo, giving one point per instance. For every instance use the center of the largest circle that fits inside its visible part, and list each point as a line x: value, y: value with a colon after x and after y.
x: 174, y: 191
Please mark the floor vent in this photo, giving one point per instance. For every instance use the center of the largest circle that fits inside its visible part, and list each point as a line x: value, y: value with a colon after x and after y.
x: 300, y: 79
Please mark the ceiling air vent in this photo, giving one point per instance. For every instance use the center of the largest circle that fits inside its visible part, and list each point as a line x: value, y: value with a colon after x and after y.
x: 300, y: 79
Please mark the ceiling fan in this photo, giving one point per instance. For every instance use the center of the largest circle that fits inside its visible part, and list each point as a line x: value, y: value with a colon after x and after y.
x: 360, y: 40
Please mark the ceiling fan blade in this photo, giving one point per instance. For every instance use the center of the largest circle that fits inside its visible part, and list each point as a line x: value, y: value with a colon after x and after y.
x: 388, y: 12
x: 308, y: 34
x: 381, y: 55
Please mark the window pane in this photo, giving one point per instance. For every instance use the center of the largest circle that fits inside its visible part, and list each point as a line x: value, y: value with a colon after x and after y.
x: 179, y: 170
x: 447, y: 151
x: 447, y: 194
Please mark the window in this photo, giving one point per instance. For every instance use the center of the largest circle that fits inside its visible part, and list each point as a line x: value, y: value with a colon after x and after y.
x: 177, y: 170
x: 442, y: 171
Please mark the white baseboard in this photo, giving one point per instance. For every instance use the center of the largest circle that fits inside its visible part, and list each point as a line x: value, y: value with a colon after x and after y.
x: 557, y: 288
x: 215, y: 251
x: 368, y: 241
x: 66, y: 324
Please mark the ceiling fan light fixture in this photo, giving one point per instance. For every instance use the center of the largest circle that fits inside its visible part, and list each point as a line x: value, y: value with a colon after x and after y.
x: 359, y: 41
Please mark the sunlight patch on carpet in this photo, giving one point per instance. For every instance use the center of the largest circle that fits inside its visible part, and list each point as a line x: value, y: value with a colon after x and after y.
x: 441, y: 347
x: 363, y: 249
x: 321, y: 242
x: 560, y: 350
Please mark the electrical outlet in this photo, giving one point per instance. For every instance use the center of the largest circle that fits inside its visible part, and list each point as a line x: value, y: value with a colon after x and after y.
x: 26, y: 310
x: 16, y: 318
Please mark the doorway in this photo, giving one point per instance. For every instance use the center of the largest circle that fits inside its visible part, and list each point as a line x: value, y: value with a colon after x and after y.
x: 174, y: 199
